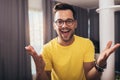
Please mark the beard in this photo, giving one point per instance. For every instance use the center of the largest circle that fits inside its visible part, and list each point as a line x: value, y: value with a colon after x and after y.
x: 66, y: 37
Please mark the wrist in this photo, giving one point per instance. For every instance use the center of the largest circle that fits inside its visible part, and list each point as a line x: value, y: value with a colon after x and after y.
x: 100, y: 68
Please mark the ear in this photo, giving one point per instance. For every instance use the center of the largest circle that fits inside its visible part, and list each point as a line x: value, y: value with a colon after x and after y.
x: 75, y: 23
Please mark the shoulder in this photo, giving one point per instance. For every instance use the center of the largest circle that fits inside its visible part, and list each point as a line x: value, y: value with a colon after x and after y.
x: 47, y: 48
x: 83, y: 42
x: 82, y: 39
x: 51, y: 43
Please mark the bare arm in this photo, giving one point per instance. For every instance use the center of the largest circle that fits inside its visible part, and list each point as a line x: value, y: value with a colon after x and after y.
x: 40, y: 64
x: 91, y: 72
x: 46, y: 75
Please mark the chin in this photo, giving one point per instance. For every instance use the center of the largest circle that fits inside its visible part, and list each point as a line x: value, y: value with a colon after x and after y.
x: 66, y: 39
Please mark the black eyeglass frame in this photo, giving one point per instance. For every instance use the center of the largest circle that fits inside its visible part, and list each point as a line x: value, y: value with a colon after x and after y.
x: 68, y: 22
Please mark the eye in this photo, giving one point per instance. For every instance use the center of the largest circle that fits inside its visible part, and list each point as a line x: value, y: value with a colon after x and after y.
x: 60, y: 22
x: 69, y: 21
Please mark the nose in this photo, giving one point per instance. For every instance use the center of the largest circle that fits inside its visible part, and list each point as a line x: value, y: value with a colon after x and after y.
x: 64, y: 25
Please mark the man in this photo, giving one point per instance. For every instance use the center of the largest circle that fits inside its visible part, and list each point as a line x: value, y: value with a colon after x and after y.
x: 69, y: 57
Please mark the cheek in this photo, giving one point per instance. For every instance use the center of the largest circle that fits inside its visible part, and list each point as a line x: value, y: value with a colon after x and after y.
x: 74, y: 26
x: 56, y: 29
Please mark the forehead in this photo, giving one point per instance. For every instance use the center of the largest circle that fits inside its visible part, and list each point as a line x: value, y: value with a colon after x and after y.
x: 63, y: 14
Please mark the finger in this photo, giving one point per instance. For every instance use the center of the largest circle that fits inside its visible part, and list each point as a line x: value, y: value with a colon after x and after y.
x: 108, y: 45
x: 103, y: 56
x: 42, y: 60
x: 30, y: 50
x: 27, y: 48
x: 35, y: 58
x: 112, y: 49
x: 40, y: 56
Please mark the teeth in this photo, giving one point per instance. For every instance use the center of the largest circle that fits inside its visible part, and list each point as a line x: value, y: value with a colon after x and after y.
x: 64, y: 30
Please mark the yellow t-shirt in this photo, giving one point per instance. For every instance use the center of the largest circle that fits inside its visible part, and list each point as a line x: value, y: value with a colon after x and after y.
x: 66, y: 62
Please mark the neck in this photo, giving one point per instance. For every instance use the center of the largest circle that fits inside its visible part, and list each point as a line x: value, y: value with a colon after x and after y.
x: 65, y: 43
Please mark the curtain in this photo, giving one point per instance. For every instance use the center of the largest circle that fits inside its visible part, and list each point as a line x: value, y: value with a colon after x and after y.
x: 82, y: 22
x: 94, y: 28
x: 48, y: 31
x: 14, y: 62
x: 117, y: 40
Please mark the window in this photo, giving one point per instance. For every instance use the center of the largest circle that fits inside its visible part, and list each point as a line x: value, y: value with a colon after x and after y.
x: 36, y: 28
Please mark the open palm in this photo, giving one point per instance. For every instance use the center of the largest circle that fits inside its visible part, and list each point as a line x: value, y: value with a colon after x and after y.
x: 106, y: 53
x: 39, y: 62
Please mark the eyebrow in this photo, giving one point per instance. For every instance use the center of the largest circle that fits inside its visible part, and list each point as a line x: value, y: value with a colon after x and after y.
x: 66, y: 19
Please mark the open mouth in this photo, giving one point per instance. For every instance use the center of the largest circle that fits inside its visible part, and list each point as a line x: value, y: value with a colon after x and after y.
x: 65, y: 32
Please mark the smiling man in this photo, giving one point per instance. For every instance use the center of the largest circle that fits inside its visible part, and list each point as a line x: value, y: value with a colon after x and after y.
x: 65, y: 25
x: 69, y: 57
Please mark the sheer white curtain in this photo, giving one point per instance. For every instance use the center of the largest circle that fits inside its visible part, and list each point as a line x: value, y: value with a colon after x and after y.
x: 35, y: 29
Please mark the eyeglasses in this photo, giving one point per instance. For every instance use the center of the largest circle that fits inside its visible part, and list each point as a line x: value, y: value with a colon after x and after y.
x: 68, y: 22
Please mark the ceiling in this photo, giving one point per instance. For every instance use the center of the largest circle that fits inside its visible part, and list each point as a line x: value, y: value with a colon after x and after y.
x: 36, y: 4
x: 85, y: 3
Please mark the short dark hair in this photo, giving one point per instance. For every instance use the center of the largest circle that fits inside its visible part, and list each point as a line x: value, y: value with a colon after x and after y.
x: 64, y: 6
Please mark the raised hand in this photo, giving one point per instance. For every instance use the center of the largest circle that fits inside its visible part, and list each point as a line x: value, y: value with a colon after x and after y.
x: 39, y: 62
x: 106, y: 53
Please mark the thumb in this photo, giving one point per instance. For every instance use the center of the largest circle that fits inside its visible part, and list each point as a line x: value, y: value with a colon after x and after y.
x: 30, y: 50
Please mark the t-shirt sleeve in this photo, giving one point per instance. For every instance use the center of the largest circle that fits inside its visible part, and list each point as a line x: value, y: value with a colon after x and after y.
x: 90, y: 52
x: 47, y: 58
